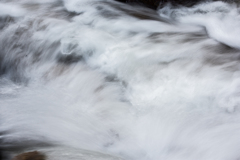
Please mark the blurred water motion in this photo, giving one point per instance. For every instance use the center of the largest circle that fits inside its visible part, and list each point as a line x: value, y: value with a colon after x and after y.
x: 85, y: 79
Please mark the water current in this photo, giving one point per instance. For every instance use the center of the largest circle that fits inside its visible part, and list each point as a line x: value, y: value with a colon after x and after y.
x: 102, y: 80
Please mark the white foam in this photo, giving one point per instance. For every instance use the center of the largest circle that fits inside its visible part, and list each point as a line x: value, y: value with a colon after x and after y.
x: 11, y: 10
x: 141, y: 89
x: 221, y: 20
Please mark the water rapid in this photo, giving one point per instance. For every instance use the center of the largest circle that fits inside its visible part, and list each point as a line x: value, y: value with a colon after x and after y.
x: 98, y: 79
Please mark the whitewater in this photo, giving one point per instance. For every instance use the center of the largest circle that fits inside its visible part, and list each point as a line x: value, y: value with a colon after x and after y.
x: 103, y: 80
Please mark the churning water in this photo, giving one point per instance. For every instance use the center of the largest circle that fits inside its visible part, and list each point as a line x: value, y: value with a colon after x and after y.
x: 88, y: 77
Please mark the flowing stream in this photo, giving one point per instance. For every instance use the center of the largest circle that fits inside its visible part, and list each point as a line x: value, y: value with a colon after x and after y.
x: 102, y: 80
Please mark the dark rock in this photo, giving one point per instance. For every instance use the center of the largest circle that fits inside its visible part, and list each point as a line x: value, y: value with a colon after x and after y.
x: 154, y: 4
x: 35, y: 155
x: 148, y: 3
x: 4, y: 155
x: 1, y: 155
x: 187, y: 3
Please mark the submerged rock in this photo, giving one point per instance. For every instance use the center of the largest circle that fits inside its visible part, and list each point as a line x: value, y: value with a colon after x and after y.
x: 35, y: 155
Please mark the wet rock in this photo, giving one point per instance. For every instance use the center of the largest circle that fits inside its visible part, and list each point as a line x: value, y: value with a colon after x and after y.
x: 35, y: 155
x: 148, y: 3
x: 154, y: 4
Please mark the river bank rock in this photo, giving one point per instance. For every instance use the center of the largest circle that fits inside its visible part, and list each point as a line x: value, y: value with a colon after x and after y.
x: 35, y: 155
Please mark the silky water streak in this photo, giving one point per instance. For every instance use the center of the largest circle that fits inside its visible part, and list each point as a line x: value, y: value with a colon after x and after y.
x: 98, y: 79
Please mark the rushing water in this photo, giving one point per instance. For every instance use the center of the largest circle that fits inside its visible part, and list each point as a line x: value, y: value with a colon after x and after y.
x: 84, y: 77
